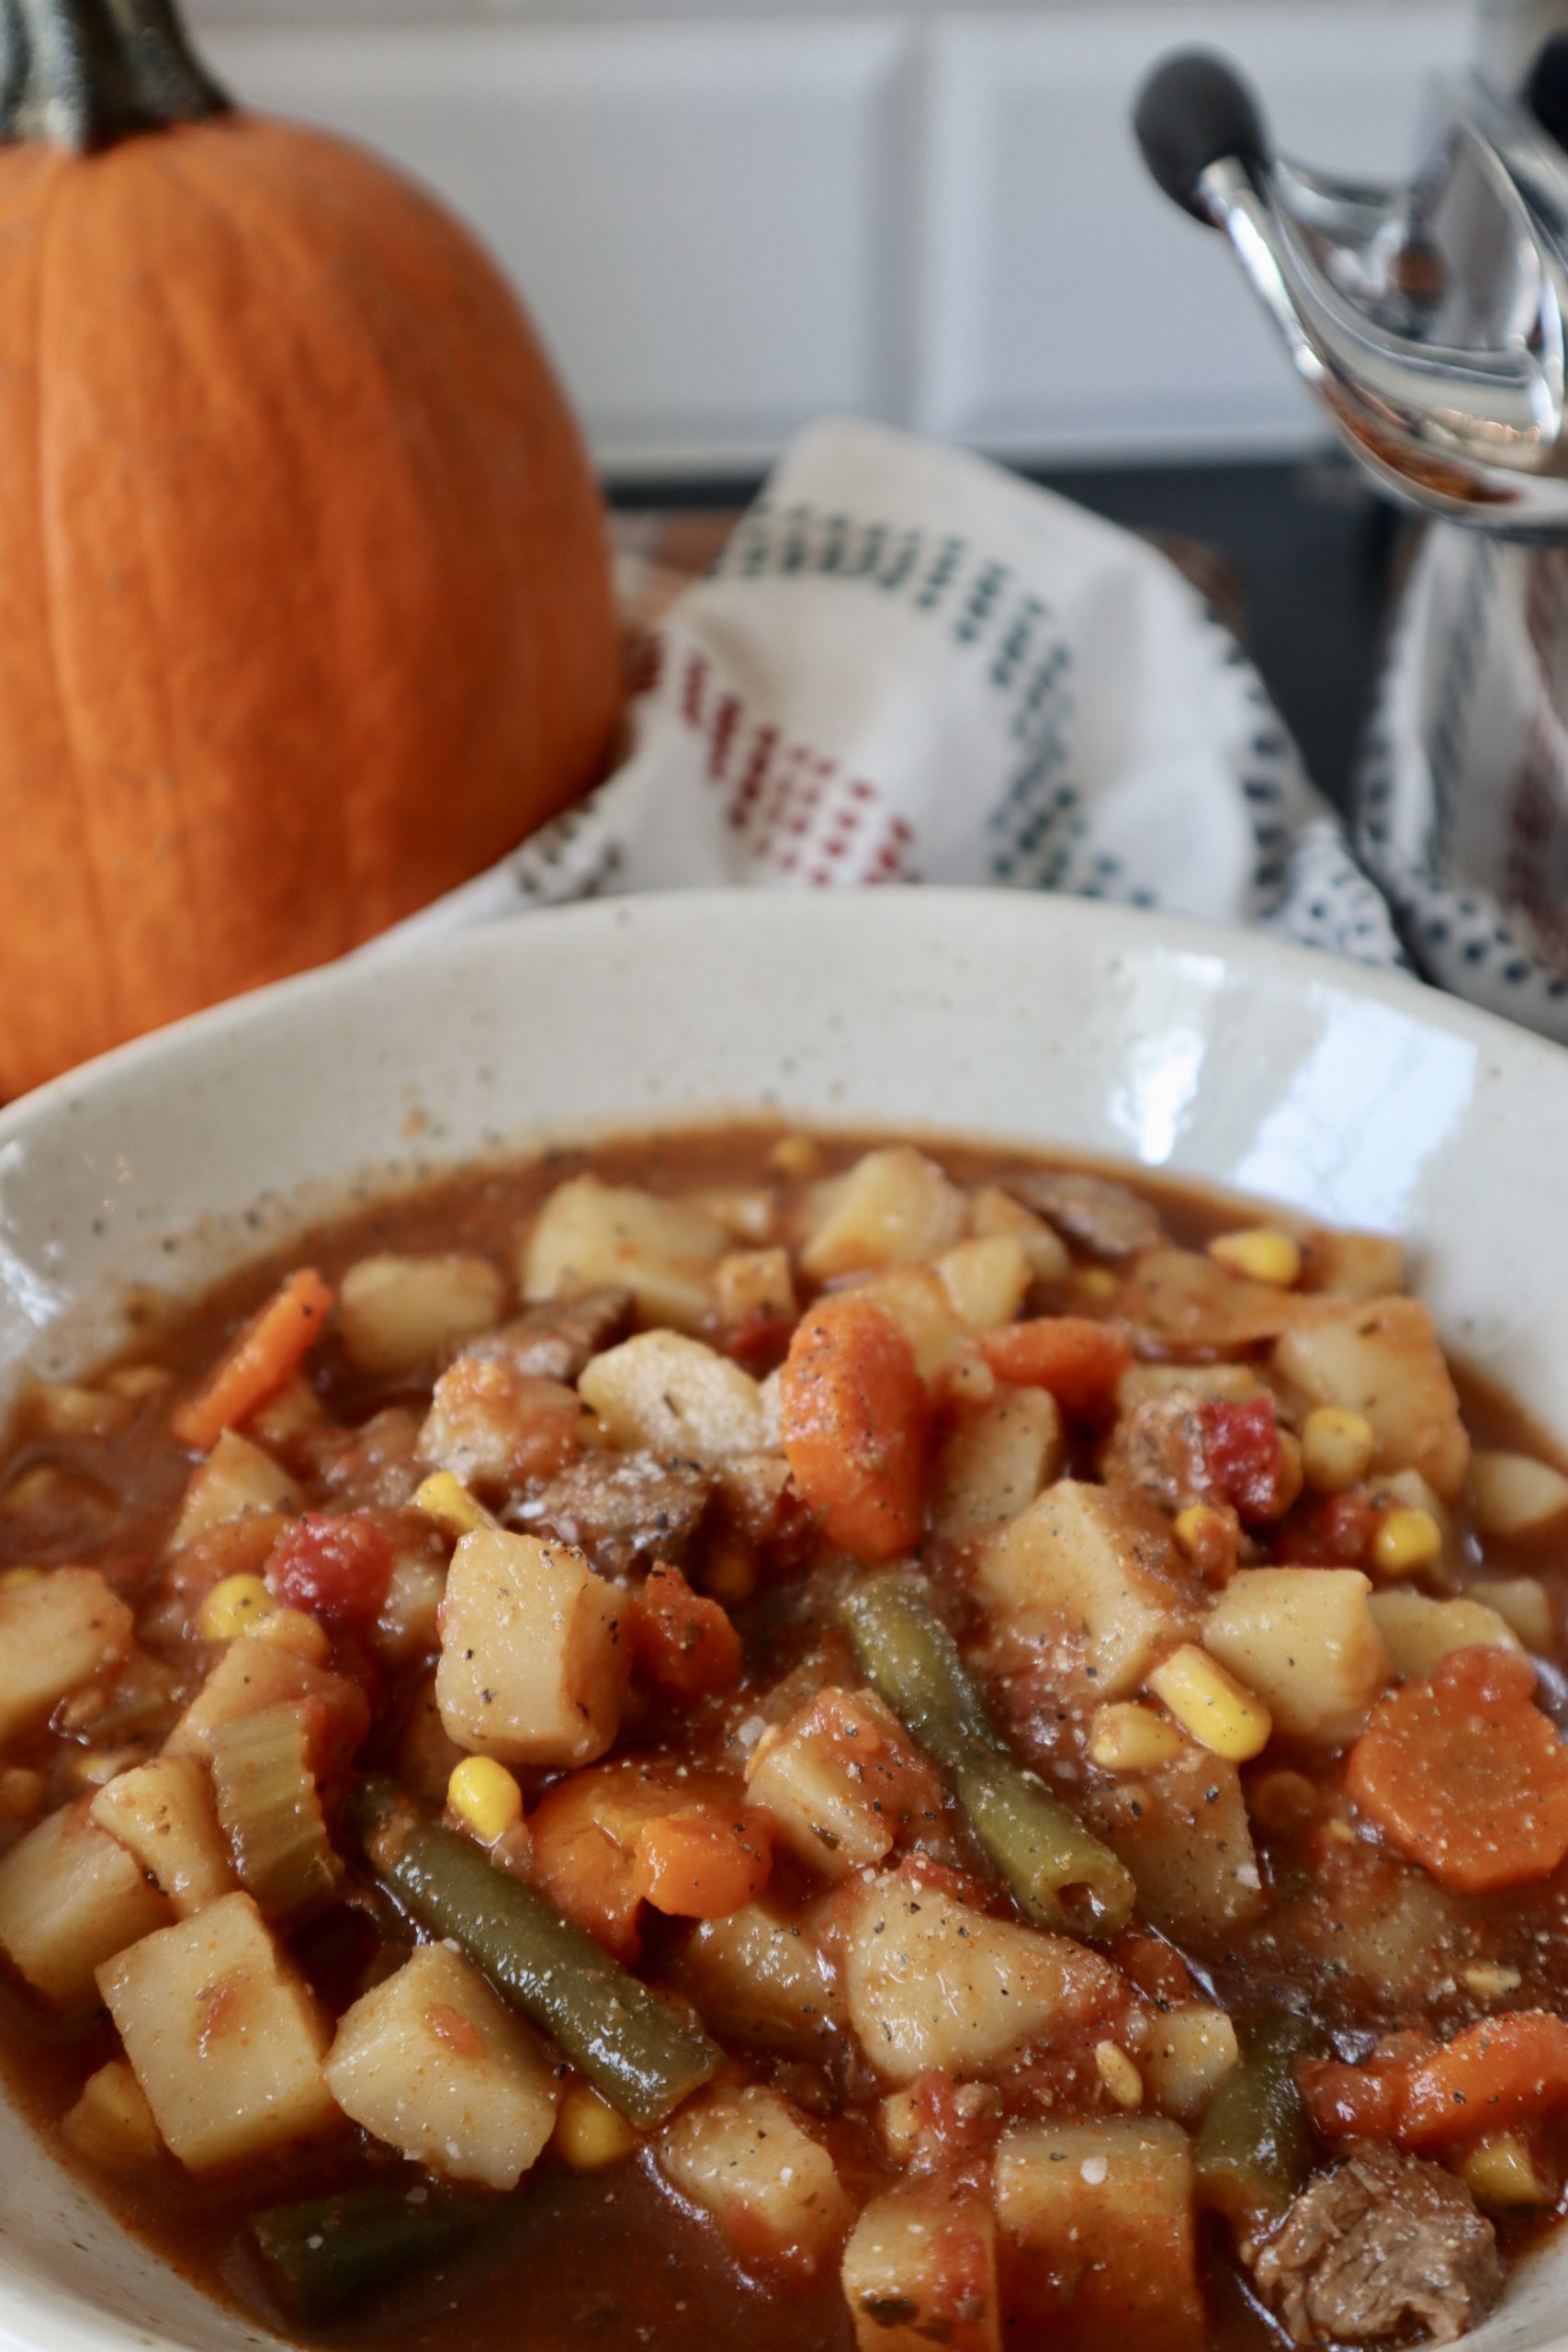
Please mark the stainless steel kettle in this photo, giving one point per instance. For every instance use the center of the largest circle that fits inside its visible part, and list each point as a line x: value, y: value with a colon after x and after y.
x: 1429, y: 320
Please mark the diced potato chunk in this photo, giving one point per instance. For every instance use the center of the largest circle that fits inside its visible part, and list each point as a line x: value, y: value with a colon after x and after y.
x: 1182, y: 1830
x: 409, y: 1625
x: 1100, y: 2218
x: 672, y: 1395
x: 1104, y: 1565
x: 237, y: 1480
x: 987, y: 1280
x: 1524, y: 1603
x: 1190, y: 2050
x: 1516, y: 1496
x: 895, y: 1207
x: 162, y: 1813
x: 1381, y: 1357
x: 493, y: 1427
x: 56, y: 1632
x: 432, y: 2063
x: 248, y: 1676
x: 532, y: 1668
x: 758, y: 1975
x: 1418, y: 1633
x: 930, y: 1982
x: 664, y: 1252
x: 1354, y: 1265
x: 69, y: 1897
x: 223, y: 2037
x: 994, y: 1210
x: 395, y: 1314
x: 745, y: 2157
x: 111, y: 2123
x: 919, y: 1304
x: 998, y: 1458
x: 921, y: 2269
x: 1306, y: 1642
x: 840, y: 1779
x: 755, y: 1286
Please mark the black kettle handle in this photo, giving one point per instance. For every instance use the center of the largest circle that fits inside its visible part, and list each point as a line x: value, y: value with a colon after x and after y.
x: 1193, y: 110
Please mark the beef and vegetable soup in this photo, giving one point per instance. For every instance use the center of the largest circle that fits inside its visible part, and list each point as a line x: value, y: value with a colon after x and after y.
x: 744, y: 1739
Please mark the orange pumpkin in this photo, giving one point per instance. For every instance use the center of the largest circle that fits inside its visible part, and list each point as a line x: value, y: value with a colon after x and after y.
x: 305, y: 602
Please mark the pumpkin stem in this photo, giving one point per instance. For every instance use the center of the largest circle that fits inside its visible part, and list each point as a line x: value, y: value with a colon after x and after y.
x: 83, y: 74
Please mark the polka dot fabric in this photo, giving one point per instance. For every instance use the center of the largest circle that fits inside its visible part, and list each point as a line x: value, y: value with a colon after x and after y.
x: 907, y: 665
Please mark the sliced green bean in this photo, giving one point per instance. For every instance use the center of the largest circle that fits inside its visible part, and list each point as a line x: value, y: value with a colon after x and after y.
x: 1254, y: 2146
x: 329, y: 2253
x: 1060, y: 1873
x: 643, y: 2055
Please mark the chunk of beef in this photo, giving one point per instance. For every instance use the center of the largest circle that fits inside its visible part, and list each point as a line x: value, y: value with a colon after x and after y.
x: 1102, y: 1216
x: 556, y: 1338
x: 369, y: 1468
x: 1383, y: 2244
x: 1157, y: 1449
x: 495, y: 1428
x: 622, y: 1508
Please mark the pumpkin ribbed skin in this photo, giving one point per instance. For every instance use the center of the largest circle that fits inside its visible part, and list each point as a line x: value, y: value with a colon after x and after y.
x: 305, y: 604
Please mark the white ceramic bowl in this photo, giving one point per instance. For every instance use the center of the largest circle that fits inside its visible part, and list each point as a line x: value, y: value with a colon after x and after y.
x: 1364, y: 1100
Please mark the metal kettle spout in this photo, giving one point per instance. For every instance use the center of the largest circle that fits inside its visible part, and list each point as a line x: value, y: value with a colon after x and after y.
x: 1429, y: 320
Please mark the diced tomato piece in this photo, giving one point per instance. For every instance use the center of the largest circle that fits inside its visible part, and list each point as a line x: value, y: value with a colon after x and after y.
x: 956, y: 2129
x: 702, y: 1862
x: 1463, y: 1773
x: 1155, y: 1967
x: 683, y: 1640
x: 335, y: 1566
x: 1079, y: 1360
x: 1332, y: 1533
x: 1244, y: 1458
x: 856, y: 1425
x: 1353, y: 2102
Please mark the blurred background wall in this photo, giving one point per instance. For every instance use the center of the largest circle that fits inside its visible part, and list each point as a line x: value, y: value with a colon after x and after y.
x: 731, y: 216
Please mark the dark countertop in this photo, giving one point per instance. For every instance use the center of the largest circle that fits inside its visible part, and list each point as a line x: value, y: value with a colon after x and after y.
x: 1308, y: 551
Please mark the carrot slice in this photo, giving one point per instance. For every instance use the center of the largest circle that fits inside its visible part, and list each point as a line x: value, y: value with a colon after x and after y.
x: 1078, y: 1360
x: 1505, y: 2070
x: 683, y: 1641
x: 856, y: 1423
x: 264, y: 1355
x: 1502, y: 2072
x: 701, y: 1863
x: 1465, y: 1775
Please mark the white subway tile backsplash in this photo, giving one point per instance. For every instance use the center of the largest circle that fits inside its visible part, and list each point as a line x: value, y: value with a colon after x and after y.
x: 699, y: 214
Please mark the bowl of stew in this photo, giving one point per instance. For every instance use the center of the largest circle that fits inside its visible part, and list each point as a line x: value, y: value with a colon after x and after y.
x: 820, y: 1622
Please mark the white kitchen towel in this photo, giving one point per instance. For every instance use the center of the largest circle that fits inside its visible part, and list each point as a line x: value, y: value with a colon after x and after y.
x: 1463, y: 799
x: 911, y: 666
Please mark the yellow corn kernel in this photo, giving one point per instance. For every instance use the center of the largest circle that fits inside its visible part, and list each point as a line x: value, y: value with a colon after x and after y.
x: 1407, y: 1540
x: 1336, y: 1448
x: 1119, y: 2075
x: 590, y: 2134
x: 1096, y: 1282
x: 1260, y: 1252
x: 485, y: 1797
x: 1221, y: 1713
x: 1206, y: 1536
x: 798, y: 1156
x: 730, y: 1577
x: 1489, y: 1980
x: 1502, y: 2170
x: 296, y: 1630
x: 1125, y: 1737
x: 233, y: 1607
x: 448, y: 1502
x: 10, y: 1578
